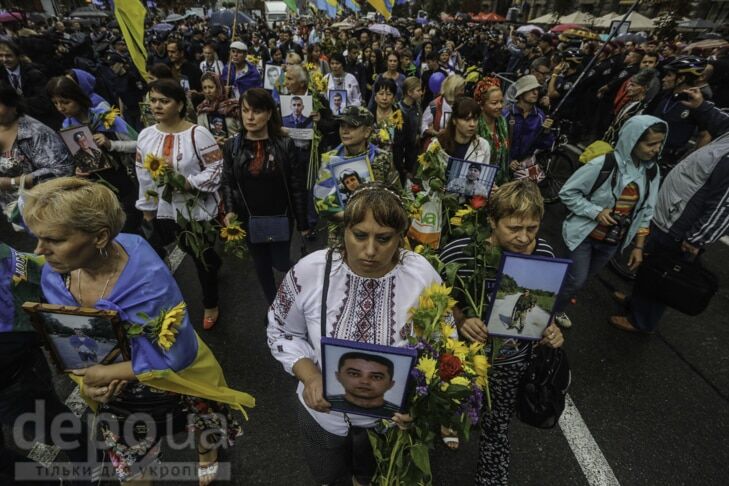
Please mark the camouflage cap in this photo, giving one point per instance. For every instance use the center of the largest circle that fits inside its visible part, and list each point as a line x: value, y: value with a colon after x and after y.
x: 357, y: 116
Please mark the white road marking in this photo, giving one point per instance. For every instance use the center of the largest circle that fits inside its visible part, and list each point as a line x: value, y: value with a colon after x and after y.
x: 595, y: 467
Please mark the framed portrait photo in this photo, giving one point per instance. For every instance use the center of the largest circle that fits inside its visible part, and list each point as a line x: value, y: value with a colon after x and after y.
x: 217, y: 124
x: 79, y: 337
x: 296, y: 116
x: 470, y: 178
x: 338, y: 101
x: 522, y: 303
x: 87, y: 156
x: 271, y: 76
x: 366, y: 379
x: 349, y: 174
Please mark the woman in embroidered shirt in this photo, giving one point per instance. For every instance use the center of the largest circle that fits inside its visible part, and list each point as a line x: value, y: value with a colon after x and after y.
x: 176, y: 145
x: 262, y: 177
x: 215, y: 105
x: 492, y: 125
x: 171, y: 372
x: 372, y: 284
x: 114, y: 137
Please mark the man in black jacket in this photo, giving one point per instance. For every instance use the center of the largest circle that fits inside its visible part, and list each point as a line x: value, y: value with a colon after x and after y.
x: 29, y: 82
x: 187, y: 72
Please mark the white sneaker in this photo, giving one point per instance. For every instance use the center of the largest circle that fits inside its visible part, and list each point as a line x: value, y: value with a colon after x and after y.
x: 563, y: 320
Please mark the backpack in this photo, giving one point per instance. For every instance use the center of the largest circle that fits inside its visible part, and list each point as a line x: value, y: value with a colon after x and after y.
x: 608, y: 170
x: 540, y: 398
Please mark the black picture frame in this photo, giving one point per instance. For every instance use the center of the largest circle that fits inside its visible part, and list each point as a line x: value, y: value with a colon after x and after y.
x: 374, y: 358
x: 457, y: 173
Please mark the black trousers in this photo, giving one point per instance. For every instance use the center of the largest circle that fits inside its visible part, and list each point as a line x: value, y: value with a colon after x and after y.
x: 165, y: 231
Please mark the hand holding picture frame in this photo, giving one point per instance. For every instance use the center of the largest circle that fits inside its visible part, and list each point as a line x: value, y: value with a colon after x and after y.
x: 469, y: 178
x: 366, y: 379
x: 271, y: 76
x: 86, y: 154
x: 522, y: 303
x: 79, y: 337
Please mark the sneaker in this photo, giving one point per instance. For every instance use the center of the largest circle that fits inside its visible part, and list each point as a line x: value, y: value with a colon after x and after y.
x: 563, y: 320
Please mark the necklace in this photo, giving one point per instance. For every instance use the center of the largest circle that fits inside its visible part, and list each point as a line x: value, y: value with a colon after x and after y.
x: 106, y: 285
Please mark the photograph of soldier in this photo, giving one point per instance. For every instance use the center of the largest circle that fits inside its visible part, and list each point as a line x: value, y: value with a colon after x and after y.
x: 271, y: 77
x: 85, y: 152
x: 85, y: 346
x: 297, y: 114
x: 350, y: 174
x: 217, y: 125
x: 522, y: 304
x: 337, y: 101
x: 470, y: 178
x: 365, y: 379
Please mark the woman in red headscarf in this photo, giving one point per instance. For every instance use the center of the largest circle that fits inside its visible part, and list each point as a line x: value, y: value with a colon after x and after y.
x: 216, y: 112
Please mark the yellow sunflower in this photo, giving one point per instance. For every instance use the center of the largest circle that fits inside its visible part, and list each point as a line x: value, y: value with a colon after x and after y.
x: 456, y: 221
x: 396, y: 119
x: 460, y: 380
x: 110, y: 116
x: 156, y: 166
x: 232, y: 232
x: 170, y: 322
x: 464, y: 212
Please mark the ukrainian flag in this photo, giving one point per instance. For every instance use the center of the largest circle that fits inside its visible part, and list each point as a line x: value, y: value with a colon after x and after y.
x: 130, y: 17
x: 384, y: 7
x: 352, y: 5
x: 331, y: 7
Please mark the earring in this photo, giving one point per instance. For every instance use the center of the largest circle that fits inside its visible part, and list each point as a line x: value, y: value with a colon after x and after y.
x: 103, y: 252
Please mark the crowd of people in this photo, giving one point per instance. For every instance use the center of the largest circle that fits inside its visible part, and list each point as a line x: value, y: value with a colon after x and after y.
x: 310, y: 128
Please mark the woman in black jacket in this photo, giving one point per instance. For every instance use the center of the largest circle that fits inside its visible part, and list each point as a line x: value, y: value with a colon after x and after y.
x: 264, y: 186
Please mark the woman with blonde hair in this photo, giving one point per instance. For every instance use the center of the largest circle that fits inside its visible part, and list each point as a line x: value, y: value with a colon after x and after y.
x: 438, y: 112
x: 171, y: 374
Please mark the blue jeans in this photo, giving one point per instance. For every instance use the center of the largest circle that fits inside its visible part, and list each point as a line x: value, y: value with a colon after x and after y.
x: 588, y: 258
x: 644, y: 311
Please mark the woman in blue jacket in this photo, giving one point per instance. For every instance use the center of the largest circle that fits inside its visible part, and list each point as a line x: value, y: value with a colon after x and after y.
x: 611, y: 214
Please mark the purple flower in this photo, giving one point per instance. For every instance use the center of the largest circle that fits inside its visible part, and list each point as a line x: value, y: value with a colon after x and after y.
x: 421, y: 391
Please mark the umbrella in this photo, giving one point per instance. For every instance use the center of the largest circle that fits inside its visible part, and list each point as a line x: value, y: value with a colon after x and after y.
x: 88, y: 12
x: 696, y: 24
x: 342, y: 25
x: 163, y: 27
x: 226, y: 17
x: 637, y: 21
x: 562, y: 27
x: 579, y: 33
x: 528, y: 28
x: 384, y: 29
x: 549, y: 18
x: 11, y: 17
x: 174, y: 18
x: 638, y: 38
x: 706, y: 45
x: 580, y: 18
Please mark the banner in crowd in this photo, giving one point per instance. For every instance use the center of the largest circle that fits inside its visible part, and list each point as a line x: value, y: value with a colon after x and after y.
x: 130, y: 16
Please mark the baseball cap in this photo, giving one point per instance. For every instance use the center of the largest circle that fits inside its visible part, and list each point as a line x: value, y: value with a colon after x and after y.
x: 238, y: 45
x: 357, y: 116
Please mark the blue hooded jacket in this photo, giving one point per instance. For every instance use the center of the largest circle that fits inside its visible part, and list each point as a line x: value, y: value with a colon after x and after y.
x: 87, y: 82
x: 251, y: 79
x: 583, y: 211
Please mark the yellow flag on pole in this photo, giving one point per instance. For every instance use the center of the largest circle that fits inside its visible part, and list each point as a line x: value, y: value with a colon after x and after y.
x: 130, y: 16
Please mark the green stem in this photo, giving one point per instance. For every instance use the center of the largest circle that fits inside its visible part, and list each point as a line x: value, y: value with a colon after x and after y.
x: 467, y: 294
x: 395, y: 451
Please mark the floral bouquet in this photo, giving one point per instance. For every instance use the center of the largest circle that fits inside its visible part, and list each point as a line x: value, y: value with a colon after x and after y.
x: 450, y: 379
x: 197, y: 235
x: 384, y: 134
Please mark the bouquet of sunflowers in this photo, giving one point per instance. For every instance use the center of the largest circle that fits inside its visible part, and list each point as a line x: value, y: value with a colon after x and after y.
x: 161, y: 329
x: 197, y: 235
x: 450, y: 381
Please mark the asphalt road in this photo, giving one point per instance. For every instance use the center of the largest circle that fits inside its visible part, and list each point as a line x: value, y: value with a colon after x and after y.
x: 655, y: 408
x: 503, y: 311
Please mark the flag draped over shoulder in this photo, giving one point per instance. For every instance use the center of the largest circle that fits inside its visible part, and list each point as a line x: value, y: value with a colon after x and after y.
x: 384, y: 7
x: 130, y: 16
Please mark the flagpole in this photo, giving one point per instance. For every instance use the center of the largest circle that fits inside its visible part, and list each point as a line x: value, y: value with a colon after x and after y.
x: 232, y: 39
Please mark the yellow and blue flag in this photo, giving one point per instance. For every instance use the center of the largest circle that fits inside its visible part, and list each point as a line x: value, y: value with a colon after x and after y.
x: 352, y: 5
x: 332, y: 7
x: 130, y: 17
x: 384, y: 7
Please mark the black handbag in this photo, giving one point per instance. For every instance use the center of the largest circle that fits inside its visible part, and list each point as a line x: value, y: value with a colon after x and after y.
x: 540, y: 399
x: 669, y: 278
x: 268, y: 229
